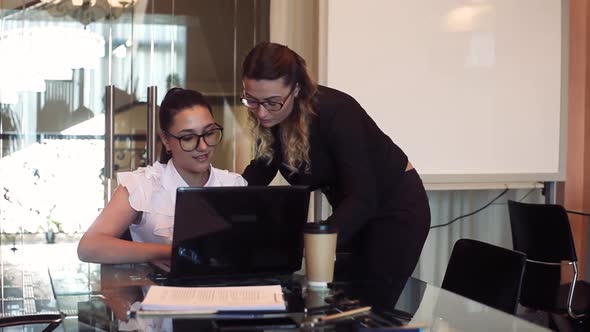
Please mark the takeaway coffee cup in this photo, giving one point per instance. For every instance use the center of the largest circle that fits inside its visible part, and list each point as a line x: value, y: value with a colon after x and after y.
x: 320, y: 251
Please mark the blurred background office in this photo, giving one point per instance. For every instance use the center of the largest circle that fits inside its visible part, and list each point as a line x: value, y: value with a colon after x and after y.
x: 56, y: 59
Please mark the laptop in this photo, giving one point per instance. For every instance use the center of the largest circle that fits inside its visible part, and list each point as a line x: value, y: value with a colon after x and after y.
x: 231, y: 234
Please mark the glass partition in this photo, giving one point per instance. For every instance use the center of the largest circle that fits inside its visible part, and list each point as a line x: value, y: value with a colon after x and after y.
x: 56, y: 59
x: 52, y: 76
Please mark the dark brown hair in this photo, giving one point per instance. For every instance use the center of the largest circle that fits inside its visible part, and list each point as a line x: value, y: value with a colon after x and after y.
x: 271, y: 61
x: 175, y: 101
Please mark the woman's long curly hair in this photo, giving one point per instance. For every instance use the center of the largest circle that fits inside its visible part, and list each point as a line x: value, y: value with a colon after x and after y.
x: 271, y: 61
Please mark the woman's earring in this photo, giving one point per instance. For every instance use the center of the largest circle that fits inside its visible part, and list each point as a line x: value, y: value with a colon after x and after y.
x: 169, y: 151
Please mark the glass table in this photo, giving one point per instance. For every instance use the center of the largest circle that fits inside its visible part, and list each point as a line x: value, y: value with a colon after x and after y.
x: 49, y: 279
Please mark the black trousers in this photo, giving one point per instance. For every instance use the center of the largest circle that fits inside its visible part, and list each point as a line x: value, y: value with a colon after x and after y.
x: 387, y: 249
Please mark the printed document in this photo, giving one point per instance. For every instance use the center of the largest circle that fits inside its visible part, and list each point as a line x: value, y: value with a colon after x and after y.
x: 212, y: 299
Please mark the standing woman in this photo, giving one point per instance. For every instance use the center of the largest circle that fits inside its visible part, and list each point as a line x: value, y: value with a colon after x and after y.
x: 145, y: 199
x: 322, y: 137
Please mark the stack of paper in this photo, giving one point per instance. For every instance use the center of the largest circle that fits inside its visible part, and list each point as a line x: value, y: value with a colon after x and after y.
x: 211, y: 299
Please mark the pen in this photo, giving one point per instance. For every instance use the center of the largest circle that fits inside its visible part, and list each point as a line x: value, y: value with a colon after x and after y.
x: 310, y: 323
x: 343, y: 314
x: 148, y: 313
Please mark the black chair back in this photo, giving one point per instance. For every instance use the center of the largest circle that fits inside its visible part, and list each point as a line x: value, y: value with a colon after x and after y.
x: 485, y: 273
x: 542, y: 231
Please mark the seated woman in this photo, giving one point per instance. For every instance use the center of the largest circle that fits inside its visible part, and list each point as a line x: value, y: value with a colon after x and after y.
x: 144, y: 200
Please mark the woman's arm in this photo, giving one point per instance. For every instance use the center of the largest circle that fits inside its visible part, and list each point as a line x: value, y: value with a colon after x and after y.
x: 260, y: 173
x: 349, y: 142
x: 102, y: 244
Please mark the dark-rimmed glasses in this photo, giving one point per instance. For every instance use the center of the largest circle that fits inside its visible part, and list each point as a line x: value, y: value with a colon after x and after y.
x: 269, y: 105
x: 190, y: 142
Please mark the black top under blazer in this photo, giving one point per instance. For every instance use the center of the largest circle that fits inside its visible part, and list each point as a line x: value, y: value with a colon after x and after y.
x: 352, y: 161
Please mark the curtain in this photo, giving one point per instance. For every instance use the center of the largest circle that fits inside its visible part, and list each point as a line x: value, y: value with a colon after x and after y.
x: 491, y: 225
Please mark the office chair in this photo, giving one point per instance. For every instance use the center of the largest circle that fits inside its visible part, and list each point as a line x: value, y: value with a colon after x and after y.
x: 485, y: 273
x: 543, y: 232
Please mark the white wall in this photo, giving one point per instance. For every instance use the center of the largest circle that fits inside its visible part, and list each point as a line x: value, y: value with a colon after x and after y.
x: 471, y: 90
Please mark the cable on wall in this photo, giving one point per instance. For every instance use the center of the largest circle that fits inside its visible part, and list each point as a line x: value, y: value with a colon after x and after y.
x: 578, y: 213
x: 471, y: 213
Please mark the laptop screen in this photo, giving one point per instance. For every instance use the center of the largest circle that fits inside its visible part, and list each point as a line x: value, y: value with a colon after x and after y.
x: 238, y: 231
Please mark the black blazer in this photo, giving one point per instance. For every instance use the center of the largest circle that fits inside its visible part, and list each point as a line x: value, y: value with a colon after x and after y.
x: 352, y: 161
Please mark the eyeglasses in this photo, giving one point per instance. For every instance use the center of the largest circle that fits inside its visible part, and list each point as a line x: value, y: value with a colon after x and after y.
x: 189, y: 142
x: 269, y: 105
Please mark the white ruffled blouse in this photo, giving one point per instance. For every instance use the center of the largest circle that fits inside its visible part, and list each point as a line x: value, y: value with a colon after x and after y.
x: 152, y: 191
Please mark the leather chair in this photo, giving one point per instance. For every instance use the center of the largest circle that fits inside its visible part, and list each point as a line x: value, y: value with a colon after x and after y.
x: 543, y: 232
x: 485, y: 273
